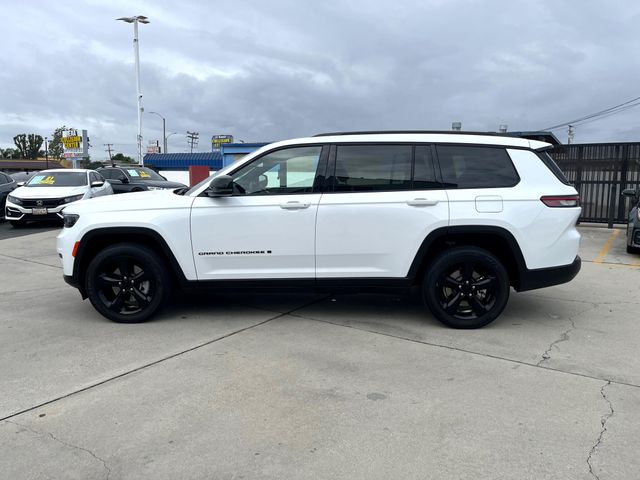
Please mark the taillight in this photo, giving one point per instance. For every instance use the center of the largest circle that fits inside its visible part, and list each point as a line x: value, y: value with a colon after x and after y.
x: 561, y: 200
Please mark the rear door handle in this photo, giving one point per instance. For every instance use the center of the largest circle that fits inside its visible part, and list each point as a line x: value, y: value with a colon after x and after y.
x: 421, y: 202
x: 294, y: 205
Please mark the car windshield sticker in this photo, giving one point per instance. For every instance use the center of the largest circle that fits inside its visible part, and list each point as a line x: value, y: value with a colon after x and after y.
x: 43, y: 180
x: 144, y: 174
x: 133, y: 173
x: 36, y: 180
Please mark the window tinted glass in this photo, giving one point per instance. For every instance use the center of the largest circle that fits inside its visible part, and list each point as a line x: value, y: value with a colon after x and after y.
x: 424, y: 174
x: 107, y: 174
x: 291, y: 170
x: 3, y: 179
x: 476, y: 167
x: 93, y: 177
x: 366, y: 168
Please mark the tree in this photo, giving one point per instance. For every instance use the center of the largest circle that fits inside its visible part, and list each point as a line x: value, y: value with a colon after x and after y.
x: 10, y: 153
x: 120, y: 158
x: 55, y: 145
x: 28, y: 145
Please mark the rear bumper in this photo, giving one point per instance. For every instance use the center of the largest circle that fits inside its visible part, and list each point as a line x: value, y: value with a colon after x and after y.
x: 547, y: 277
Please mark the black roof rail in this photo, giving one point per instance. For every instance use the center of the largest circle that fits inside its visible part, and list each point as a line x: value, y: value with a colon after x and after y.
x: 382, y: 132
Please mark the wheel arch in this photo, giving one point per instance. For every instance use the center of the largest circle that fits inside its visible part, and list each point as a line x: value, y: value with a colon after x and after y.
x: 95, y: 240
x: 496, y: 240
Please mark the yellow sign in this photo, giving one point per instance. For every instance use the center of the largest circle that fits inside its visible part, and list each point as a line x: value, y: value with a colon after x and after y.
x: 71, y: 142
x: 48, y: 180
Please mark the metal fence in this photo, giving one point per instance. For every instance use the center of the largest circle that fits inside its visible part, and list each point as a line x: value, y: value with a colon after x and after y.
x: 600, y: 172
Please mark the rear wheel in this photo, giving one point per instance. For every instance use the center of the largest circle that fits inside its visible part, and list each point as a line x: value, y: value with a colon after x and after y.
x: 126, y: 283
x: 466, y: 287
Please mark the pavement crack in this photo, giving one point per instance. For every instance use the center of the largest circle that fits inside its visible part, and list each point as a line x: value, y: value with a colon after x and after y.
x: 603, y: 428
x: 66, y: 444
x: 564, y: 336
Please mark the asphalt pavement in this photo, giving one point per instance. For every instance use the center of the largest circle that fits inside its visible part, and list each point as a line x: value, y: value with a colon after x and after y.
x: 303, y: 386
x: 7, y: 231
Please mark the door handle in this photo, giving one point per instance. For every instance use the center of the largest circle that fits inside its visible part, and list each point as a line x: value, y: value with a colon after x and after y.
x: 421, y: 202
x: 294, y: 205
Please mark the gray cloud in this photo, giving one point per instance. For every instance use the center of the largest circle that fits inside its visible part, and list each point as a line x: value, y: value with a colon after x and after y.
x: 270, y: 70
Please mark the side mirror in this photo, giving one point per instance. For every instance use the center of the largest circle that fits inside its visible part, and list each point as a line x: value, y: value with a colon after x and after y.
x: 123, y: 180
x: 97, y: 184
x: 221, y: 186
x: 629, y: 192
x: 20, y: 184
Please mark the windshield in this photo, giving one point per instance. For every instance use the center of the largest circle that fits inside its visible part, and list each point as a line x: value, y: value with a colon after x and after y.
x: 58, y: 179
x: 142, y: 173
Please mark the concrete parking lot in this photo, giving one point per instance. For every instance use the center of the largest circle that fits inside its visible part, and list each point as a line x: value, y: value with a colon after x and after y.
x: 284, y: 386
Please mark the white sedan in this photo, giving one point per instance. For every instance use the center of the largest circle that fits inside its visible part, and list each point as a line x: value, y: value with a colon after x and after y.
x: 48, y: 192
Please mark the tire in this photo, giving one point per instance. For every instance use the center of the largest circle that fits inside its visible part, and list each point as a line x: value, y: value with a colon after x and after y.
x: 631, y: 249
x: 140, y: 270
x: 17, y: 223
x: 451, y: 287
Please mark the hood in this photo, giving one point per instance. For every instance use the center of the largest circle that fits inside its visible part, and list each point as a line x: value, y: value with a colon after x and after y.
x: 48, y: 192
x: 128, y: 202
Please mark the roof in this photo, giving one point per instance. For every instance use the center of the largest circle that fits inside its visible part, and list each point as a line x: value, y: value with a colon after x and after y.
x: 7, y: 163
x: 420, y: 136
x: 542, y: 136
x: 184, y: 160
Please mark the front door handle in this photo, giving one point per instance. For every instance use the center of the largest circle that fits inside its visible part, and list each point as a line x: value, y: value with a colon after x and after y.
x: 422, y: 202
x: 294, y: 205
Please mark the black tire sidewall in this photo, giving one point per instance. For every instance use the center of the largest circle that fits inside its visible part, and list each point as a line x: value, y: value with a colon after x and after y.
x: 457, y: 255
x: 142, y: 255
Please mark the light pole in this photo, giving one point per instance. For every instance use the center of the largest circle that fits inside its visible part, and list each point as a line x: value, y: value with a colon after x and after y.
x: 166, y: 140
x: 46, y: 151
x: 164, y: 132
x: 135, y: 20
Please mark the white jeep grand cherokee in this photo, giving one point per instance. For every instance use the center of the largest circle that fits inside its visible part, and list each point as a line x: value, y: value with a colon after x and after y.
x: 463, y: 216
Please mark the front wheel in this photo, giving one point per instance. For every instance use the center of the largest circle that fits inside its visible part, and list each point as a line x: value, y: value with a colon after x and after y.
x: 466, y: 287
x: 126, y: 283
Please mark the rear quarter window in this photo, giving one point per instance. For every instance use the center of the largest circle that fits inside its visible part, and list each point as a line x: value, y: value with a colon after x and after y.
x: 476, y: 167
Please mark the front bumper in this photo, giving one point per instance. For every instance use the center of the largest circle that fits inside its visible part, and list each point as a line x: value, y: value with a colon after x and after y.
x: 17, y: 212
x: 547, y: 277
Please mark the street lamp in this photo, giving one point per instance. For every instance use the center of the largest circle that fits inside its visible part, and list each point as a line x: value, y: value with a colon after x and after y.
x: 164, y: 132
x: 135, y: 20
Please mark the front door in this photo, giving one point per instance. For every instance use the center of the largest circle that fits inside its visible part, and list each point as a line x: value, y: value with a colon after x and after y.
x: 266, y: 229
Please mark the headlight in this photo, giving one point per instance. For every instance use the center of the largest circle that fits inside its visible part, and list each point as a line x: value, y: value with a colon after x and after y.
x: 154, y: 188
x: 70, y: 219
x: 74, y: 198
x: 15, y: 200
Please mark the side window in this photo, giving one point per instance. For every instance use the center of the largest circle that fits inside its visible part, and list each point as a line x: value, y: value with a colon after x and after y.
x: 476, y: 167
x: 424, y: 172
x: 106, y: 174
x: 3, y: 179
x: 93, y: 177
x: 370, y: 168
x: 287, y: 171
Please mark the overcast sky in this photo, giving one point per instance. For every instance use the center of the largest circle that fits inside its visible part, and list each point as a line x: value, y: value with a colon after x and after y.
x: 265, y: 71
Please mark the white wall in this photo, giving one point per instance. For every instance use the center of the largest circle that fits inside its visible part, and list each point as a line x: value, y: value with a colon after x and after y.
x: 181, y: 176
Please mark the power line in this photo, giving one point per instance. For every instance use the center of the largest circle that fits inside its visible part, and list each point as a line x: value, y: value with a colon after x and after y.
x: 602, y: 113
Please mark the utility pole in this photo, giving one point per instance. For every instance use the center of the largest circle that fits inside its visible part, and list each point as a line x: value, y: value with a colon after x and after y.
x: 570, y: 135
x: 164, y: 132
x: 46, y: 151
x: 192, y: 138
x: 108, y: 149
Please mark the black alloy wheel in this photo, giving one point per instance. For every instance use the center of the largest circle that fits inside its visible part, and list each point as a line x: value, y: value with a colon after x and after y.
x: 126, y: 283
x: 466, y: 287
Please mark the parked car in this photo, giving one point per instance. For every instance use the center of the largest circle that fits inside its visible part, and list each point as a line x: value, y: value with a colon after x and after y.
x: 132, y: 178
x: 22, y: 177
x: 463, y: 217
x: 633, y: 225
x: 46, y: 194
x: 7, y: 184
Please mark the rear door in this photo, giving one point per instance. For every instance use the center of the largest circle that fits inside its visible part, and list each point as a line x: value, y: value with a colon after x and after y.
x: 382, y: 200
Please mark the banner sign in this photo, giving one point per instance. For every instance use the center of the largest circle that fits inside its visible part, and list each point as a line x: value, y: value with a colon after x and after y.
x: 218, y: 140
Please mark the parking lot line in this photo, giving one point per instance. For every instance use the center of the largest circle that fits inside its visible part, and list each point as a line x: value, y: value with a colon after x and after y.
x: 605, y: 248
